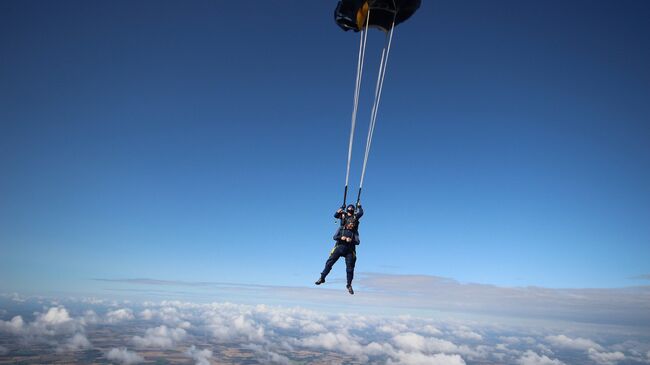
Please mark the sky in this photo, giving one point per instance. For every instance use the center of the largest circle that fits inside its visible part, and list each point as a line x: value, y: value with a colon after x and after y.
x: 206, y: 141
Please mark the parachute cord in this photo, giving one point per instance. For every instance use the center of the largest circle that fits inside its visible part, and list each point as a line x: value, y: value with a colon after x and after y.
x: 375, y: 106
x: 355, y: 108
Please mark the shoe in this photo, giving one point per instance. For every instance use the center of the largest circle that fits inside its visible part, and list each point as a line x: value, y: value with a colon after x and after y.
x: 319, y: 281
x: 350, y: 289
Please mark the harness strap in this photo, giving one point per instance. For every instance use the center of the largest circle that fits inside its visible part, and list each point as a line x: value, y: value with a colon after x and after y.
x: 355, y: 106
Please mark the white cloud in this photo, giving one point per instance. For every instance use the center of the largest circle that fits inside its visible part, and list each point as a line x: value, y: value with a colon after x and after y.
x: 613, y: 305
x: 413, y: 342
x: 90, y: 317
x: 55, y: 321
x: 393, y: 328
x: 76, y: 343
x: 516, y: 340
x: 531, y: 358
x: 147, y: 314
x: 416, y: 358
x: 55, y: 316
x: 93, y: 301
x: 606, y: 306
x: 266, y: 356
x: 579, y: 343
x: 606, y: 358
x: 202, y: 357
x: 334, y: 342
x: 124, y: 356
x: 467, y: 334
x: 15, y: 326
x: 119, y: 315
x: 228, y: 322
x: 17, y: 297
x: 3, y: 350
x: 276, y: 334
x: 170, y: 315
x: 160, y: 337
x: 430, y: 330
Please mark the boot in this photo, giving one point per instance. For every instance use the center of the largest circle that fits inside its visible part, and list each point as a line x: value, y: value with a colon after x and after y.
x: 349, y: 286
x: 320, y: 281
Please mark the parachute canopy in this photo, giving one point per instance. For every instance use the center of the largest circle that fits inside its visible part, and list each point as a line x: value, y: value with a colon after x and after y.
x: 352, y: 14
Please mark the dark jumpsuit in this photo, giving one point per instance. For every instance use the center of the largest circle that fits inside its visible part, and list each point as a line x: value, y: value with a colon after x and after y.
x: 344, y: 248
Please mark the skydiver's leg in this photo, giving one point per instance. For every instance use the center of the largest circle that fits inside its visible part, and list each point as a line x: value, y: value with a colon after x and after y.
x: 350, y: 261
x: 334, y: 256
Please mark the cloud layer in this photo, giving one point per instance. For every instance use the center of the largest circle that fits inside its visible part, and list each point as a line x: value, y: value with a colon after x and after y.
x: 621, y: 306
x: 205, y: 332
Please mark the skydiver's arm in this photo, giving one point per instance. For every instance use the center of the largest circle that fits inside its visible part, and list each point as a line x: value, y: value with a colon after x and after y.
x: 359, y: 211
x: 338, y: 213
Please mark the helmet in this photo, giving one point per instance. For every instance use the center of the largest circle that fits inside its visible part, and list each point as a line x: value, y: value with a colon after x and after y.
x: 350, y: 208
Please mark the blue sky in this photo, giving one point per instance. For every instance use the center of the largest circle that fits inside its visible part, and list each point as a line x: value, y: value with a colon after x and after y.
x: 206, y: 141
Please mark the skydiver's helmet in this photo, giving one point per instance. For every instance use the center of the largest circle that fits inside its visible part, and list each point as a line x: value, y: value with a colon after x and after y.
x: 350, y: 209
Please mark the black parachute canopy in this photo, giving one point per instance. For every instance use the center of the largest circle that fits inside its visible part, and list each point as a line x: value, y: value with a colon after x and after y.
x: 351, y: 14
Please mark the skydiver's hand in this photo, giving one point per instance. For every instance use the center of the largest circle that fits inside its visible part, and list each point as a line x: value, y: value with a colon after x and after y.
x: 339, y: 211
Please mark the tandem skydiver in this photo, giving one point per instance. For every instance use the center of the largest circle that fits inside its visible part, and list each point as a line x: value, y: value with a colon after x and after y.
x: 346, y: 237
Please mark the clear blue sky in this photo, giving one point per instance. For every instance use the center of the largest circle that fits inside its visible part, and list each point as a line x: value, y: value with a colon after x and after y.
x: 206, y: 141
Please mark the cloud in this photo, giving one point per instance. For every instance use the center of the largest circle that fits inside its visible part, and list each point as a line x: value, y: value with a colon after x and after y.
x: 430, y: 330
x: 55, y: 321
x: 340, y: 342
x: 467, y: 334
x: 119, y: 315
x: 267, y: 356
x: 15, y: 297
x: 93, y: 301
x: 3, y: 350
x: 642, y: 277
x: 202, y: 357
x: 147, y: 314
x: 124, y: 356
x: 168, y: 314
x: 416, y: 358
x: 606, y: 358
x: 76, y: 343
x: 90, y: 317
x: 531, y: 358
x: 622, y: 306
x: 160, y: 337
x: 55, y: 316
x: 230, y: 324
x: 565, y: 342
x: 629, y: 306
x: 284, y: 335
x: 413, y: 342
x: 14, y: 326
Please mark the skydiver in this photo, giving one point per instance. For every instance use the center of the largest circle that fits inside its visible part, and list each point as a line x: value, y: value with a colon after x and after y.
x: 346, y: 237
